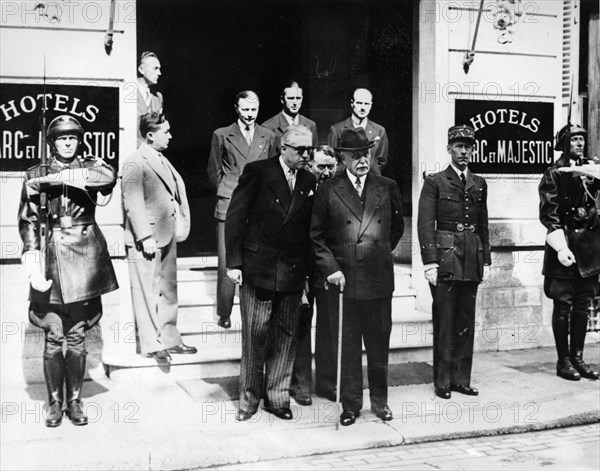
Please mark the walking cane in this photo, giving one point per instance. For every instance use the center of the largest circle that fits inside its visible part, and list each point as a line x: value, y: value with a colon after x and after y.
x: 339, y: 356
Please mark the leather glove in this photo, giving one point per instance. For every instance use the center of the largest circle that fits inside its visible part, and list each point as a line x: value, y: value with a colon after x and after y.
x: 31, y: 261
x: 566, y: 257
x: 486, y: 273
x: 235, y: 275
x: 431, y: 276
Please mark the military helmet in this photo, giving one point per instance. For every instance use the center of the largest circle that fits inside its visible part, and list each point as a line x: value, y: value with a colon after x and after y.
x: 64, y: 124
x: 576, y: 130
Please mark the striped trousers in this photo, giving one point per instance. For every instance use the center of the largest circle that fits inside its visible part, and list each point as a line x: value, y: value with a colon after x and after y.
x: 269, y: 338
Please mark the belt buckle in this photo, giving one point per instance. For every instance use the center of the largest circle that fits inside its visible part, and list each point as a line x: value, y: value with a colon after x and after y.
x: 460, y: 227
x: 471, y: 228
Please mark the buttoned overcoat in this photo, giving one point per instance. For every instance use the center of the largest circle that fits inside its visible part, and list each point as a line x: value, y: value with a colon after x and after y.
x: 358, y: 237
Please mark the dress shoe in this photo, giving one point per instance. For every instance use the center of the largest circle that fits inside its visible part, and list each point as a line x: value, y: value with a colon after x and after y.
x: 444, y: 393
x: 284, y: 413
x: 54, y: 418
x: 242, y: 415
x: 466, y: 390
x: 583, y: 368
x: 75, y: 413
x: 302, y: 398
x: 348, y: 417
x: 182, y: 349
x: 224, y: 322
x: 160, y: 356
x: 384, y: 413
x: 565, y: 370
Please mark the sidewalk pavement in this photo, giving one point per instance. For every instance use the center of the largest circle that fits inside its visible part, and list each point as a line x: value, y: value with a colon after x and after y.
x: 172, y: 427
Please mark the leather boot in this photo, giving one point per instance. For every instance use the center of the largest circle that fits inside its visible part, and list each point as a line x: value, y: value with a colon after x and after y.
x: 560, y: 328
x: 54, y: 373
x: 75, y: 371
x: 579, y: 323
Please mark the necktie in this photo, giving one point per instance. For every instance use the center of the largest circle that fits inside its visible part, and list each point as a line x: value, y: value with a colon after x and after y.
x: 291, y: 178
x: 358, y: 186
x: 463, y: 178
x: 248, y: 135
x: 148, y: 98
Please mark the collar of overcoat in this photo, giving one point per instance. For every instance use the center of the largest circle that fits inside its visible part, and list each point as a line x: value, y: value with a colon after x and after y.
x: 372, y: 191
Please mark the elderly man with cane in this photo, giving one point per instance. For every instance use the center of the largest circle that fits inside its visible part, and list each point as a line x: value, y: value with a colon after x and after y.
x: 356, y: 223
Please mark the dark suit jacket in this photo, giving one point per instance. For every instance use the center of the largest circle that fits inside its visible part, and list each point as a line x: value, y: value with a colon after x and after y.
x: 266, y: 229
x: 358, y: 241
x: 156, y: 106
x: 278, y: 123
x: 379, y: 152
x: 460, y: 255
x: 229, y: 154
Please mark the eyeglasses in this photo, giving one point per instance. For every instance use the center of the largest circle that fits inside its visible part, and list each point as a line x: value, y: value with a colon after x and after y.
x: 300, y: 149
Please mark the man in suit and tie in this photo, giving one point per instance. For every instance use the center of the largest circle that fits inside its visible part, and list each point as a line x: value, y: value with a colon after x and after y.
x: 157, y: 217
x: 291, y: 99
x: 455, y: 248
x: 268, y: 251
x: 148, y: 75
x: 361, y: 103
x: 356, y: 223
x: 323, y: 165
x: 232, y: 147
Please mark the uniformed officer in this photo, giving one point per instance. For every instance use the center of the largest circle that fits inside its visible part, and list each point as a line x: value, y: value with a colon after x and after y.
x: 65, y: 299
x: 454, y: 239
x: 572, y: 253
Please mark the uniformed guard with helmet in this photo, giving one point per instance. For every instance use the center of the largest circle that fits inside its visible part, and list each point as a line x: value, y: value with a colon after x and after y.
x: 568, y: 191
x: 65, y: 298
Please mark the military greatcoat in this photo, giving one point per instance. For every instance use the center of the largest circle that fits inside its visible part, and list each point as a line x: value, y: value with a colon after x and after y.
x: 78, y: 261
x: 566, y: 204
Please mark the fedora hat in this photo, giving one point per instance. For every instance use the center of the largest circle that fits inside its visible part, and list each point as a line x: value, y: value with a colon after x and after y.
x: 353, y: 140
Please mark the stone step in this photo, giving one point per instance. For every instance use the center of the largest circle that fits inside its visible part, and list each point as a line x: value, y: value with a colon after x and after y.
x: 201, y: 316
x: 219, y: 353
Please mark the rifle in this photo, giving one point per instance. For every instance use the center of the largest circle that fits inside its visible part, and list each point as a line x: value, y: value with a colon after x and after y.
x: 567, y: 148
x: 43, y: 222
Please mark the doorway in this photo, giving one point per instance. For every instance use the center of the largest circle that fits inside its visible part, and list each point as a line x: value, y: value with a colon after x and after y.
x: 212, y: 49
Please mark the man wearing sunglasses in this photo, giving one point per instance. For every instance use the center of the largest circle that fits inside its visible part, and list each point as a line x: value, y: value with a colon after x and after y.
x: 268, y: 250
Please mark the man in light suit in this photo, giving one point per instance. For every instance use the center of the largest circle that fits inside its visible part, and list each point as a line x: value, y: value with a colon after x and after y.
x: 268, y: 251
x: 148, y: 75
x: 356, y: 223
x: 232, y: 147
x: 361, y: 103
x: 291, y: 99
x: 157, y: 217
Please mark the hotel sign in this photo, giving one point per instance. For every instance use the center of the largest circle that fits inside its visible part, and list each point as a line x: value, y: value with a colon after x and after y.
x: 511, y: 136
x: 96, y: 109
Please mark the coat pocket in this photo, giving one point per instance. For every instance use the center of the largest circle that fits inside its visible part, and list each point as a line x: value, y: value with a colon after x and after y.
x: 445, y: 248
x: 251, y: 246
